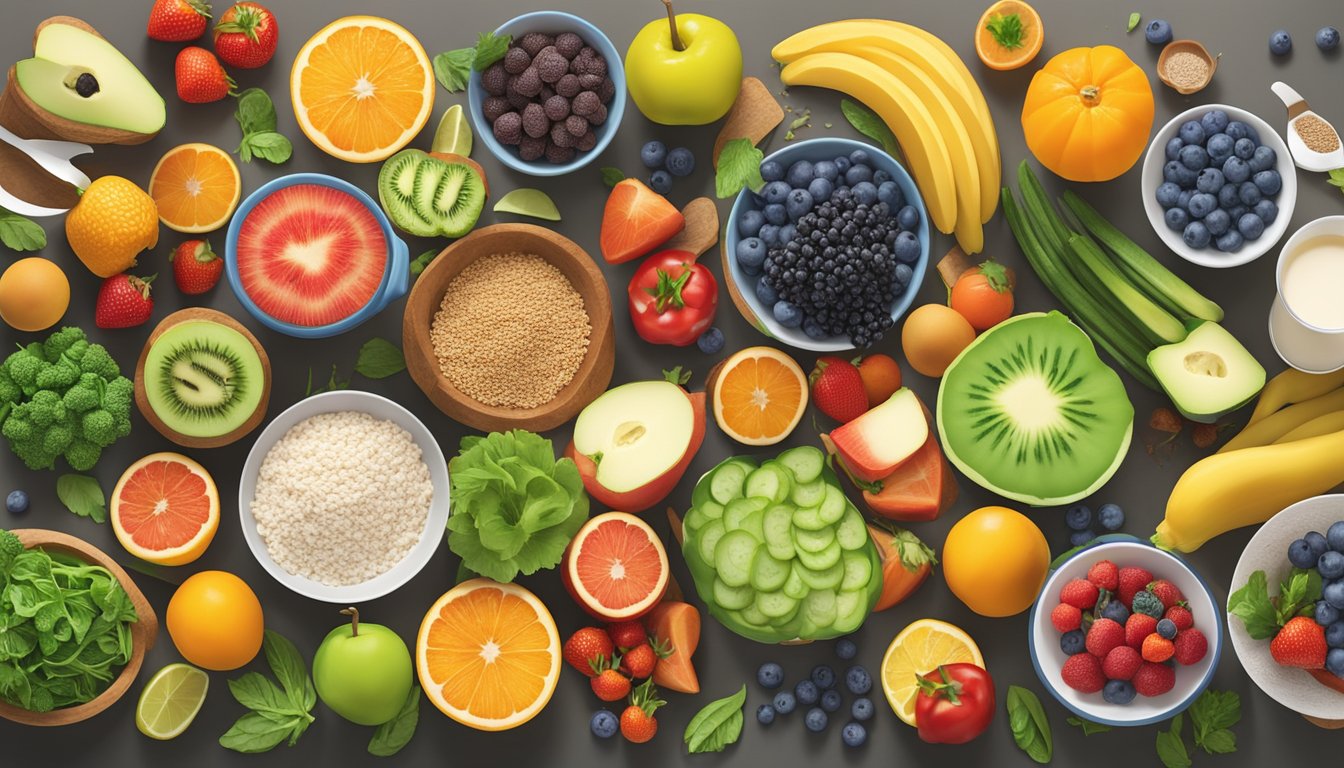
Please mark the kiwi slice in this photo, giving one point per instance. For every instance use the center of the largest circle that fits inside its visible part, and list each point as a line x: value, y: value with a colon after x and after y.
x: 203, y: 379
x: 1030, y: 412
x: 427, y: 196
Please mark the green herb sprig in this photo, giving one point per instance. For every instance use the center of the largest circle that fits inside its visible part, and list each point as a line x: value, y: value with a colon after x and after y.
x: 612, y: 176
x: 1264, y: 615
x: 866, y: 122
x: 20, y: 233
x: 1088, y: 727
x: 453, y: 68
x: 1030, y: 726
x: 397, y: 732
x: 717, y: 725
x: 82, y: 495
x: 739, y: 167
x: 256, y: 116
x: 278, y: 712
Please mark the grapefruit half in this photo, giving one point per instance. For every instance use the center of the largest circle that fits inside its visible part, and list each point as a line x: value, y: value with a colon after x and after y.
x: 165, y: 509
x: 616, y: 568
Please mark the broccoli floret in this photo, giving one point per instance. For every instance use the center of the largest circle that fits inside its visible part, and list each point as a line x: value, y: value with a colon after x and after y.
x: 58, y: 376
x: 23, y: 367
x: 26, y: 438
x: 45, y: 408
x: 82, y: 455
x: 96, y: 360
x: 9, y: 391
x: 100, y: 428
x: 118, y: 395
x: 10, y: 548
x: 59, y: 342
x: 57, y: 439
x: 85, y: 395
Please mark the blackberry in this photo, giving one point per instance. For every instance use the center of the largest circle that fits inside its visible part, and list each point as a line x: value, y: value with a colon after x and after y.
x: 516, y: 60
x: 599, y: 115
x: 568, y: 86
x: 518, y: 101
x: 590, y: 82
x: 529, y: 82
x: 535, y: 123
x: 607, y: 90
x: 556, y: 108
x: 509, y: 128
x: 597, y: 65
x: 561, y: 137
x: 533, y: 42
x: 494, y: 106
x: 576, y: 126
x: 551, y: 66
x: 494, y: 79
x: 587, y: 141
x: 586, y: 103
x: 531, y: 150
x: 568, y: 44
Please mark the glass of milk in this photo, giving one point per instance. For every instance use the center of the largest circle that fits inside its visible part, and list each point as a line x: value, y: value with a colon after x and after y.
x: 1306, y: 323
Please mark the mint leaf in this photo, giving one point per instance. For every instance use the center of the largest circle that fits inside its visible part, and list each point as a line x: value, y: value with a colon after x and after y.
x: 256, y: 112
x: 269, y: 146
x: 1211, y: 717
x: 739, y: 166
x: 717, y: 725
x: 489, y: 49
x: 612, y: 176
x: 1252, y: 605
x: 1133, y: 21
x: 379, y: 359
x: 1170, y: 748
x: 453, y: 68
x: 20, y: 233
x: 397, y: 732
x: 255, y: 732
x: 1029, y: 724
x: 1088, y: 726
x: 82, y: 495
x: 866, y: 122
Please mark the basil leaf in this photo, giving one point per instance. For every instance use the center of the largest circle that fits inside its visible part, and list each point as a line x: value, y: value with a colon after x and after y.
x: 1336, y: 178
x: 379, y: 358
x: 254, y: 733
x: 289, y: 668
x: 269, y: 146
x: 1088, y: 726
x: 1133, y: 21
x: 82, y: 495
x: 489, y: 49
x: 612, y: 176
x: 256, y: 112
x: 260, y: 695
x: 739, y: 166
x: 1252, y: 604
x: 453, y: 69
x: 717, y: 725
x: 866, y: 122
x: 422, y: 261
x: 1170, y: 748
x: 397, y: 732
x: 1212, y: 714
x: 1031, y: 728
x: 20, y: 233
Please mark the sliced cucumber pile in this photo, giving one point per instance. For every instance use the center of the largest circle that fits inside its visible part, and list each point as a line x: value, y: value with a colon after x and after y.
x: 778, y: 552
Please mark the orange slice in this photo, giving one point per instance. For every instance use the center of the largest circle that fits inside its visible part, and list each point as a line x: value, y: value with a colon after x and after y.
x: 918, y: 650
x: 488, y: 655
x: 196, y: 188
x: 165, y: 509
x: 362, y: 87
x: 1018, y: 40
x: 759, y: 396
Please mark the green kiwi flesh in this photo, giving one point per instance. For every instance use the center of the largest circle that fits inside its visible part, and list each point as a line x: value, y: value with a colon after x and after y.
x: 203, y: 379
x: 429, y: 197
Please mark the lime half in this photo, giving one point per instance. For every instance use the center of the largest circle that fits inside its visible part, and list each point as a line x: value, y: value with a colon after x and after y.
x: 170, y: 701
x: 453, y: 134
x: 529, y: 202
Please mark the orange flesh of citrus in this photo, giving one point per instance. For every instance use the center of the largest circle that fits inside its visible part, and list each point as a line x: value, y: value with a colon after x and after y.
x: 195, y: 189
x: 619, y: 565
x: 996, y: 56
x: 163, y: 505
x: 760, y: 397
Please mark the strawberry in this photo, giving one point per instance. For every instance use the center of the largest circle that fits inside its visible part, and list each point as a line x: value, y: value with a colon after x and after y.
x: 1104, y: 575
x: 196, y: 268
x: 1121, y: 663
x: 200, y: 78
x: 1066, y: 617
x: 585, y: 648
x: 1191, y: 646
x: 177, y: 21
x: 837, y: 389
x: 639, y: 661
x: 1180, y: 616
x: 610, y: 685
x: 1082, y: 672
x: 627, y: 634
x: 1157, y: 648
x: 1204, y: 435
x: 1137, y: 627
x: 635, y: 221
x: 246, y: 36
x: 1300, y: 643
x: 1079, y: 593
x: 1166, y: 592
x: 1104, y: 636
x: 1132, y: 581
x: 1154, y: 679
x: 123, y: 302
x: 637, y: 721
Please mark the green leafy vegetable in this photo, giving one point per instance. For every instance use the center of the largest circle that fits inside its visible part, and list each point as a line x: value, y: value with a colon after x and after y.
x: 278, y: 712
x: 397, y: 732
x: 1264, y: 615
x: 423, y: 261
x: 515, y: 507
x: 870, y: 125
x: 1088, y: 726
x: 82, y: 495
x: 256, y: 116
x: 453, y: 68
x: 20, y: 233
x: 268, y: 145
x: 1336, y: 178
x: 489, y: 49
x: 1211, y: 717
x: 1170, y: 748
x: 1007, y: 30
x: 379, y: 359
x: 612, y: 176
x: 739, y: 166
x: 1030, y: 727
x: 717, y: 725
x: 1133, y: 22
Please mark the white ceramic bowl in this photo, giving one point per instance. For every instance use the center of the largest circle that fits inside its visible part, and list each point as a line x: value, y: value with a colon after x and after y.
x: 1268, y: 551
x: 1048, y: 659
x: 1151, y: 178
x: 381, y: 408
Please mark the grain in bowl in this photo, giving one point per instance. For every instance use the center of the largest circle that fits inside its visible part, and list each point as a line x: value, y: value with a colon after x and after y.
x: 342, y: 498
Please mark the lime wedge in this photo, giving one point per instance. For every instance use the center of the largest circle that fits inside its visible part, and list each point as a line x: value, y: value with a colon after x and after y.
x: 170, y: 701
x: 453, y: 134
x: 528, y: 202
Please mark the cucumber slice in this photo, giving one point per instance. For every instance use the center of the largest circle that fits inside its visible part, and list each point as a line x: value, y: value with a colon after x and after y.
x: 769, y: 574
x: 738, y: 510
x: 763, y: 482
x: 809, y: 519
x: 805, y: 462
x: 819, y: 607
x: 694, y: 520
x: 776, y: 621
x: 851, y: 532
x: 774, y: 605
x: 858, y: 570
x: 851, y: 609
x: 777, y: 532
x: 733, y: 557
x: 709, y: 539
x: 818, y: 561
x: 794, y: 586
x: 754, y: 524
x: 752, y: 615
x: 833, y: 505
x: 813, y: 541
x: 828, y: 578
x: 809, y: 495
x: 732, y: 598
x: 726, y: 482
x: 712, y: 510
x: 785, y: 479
x: 791, y: 629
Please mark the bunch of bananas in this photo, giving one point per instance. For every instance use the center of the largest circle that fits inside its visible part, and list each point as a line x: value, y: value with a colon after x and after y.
x: 923, y: 91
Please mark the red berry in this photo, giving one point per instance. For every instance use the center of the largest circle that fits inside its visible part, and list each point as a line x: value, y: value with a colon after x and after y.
x: 627, y: 634
x: 1154, y: 679
x: 1066, y: 617
x: 1190, y: 646
x: 1138, y: 627
x: 837, y: 389
x: 1166, y: 592
x: 1132, y: 581
x: 1300, y: 643
x: 586, y: 649
x: 1104, y: 636
x: 1079, y: 593
x: 1104, y: 575
x: 1157, y: 648
x: 123, y: 301
x: 1082, y: 672
x: 1121, y: 663
x: 1181, y: 617
x: 196, y: 268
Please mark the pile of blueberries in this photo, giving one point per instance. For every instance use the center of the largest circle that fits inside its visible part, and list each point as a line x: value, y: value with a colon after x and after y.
x: 831, y: 244
x: 1219, y: 183
x: 665, y: 164
x: 818, y: 692
x: 1079, y: 519
x: 1325, y: 553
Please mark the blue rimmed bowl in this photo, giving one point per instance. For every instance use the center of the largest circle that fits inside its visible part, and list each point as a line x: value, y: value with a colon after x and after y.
x: 742, y: 287
x: 396, y: 272
x: 1048, y: 658
x: 552, y: 23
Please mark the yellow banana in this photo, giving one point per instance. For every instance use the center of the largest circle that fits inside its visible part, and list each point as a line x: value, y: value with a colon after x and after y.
x: 903, y: 112
x: 1321, y: 425
x: 1272, y: 427
x: 1247, y: 487
x: 1293, y: 386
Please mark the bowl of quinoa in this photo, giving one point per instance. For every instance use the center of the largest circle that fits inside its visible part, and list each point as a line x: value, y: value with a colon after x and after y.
x: 344, y: 497
x: 510, y: 328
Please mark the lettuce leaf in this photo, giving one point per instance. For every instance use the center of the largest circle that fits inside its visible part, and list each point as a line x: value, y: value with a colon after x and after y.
x: 515, y: 507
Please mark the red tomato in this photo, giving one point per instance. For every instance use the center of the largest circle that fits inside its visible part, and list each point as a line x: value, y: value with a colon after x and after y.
x: 672, y: 299
x: 955, y: 704
x: 983, y: 295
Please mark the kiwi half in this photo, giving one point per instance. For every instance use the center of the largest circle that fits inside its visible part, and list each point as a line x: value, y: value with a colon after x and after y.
x: 427, y: 196
x: 1030, y: 412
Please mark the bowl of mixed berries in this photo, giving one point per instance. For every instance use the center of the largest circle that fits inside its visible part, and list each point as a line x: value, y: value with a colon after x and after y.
x: 1124, y: 633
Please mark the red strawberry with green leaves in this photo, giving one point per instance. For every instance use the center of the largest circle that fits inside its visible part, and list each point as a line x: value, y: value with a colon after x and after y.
x: 586, y: 647
x: 627, y: 634
x: 1300, y: 643
x: 177, y: 21
x: 1167, y: 592
x: 196, y: 268
x: 123, y: 302
x: 1132, y: 581
x: 246, y: 36
x: 640, y: 661
x: 608, y: 683
x: 837, y: 389
x: 200, y: 78
x: 638, y: 724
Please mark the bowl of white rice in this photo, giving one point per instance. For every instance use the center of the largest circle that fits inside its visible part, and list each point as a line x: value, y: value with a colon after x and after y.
x: 344, y: 497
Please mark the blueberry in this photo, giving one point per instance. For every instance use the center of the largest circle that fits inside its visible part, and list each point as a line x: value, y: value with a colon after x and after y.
x: 858, y: 681
x: 859, y: 157
x: 798, y: 204
x: 1174, y: 147
x: 784, y: 702
x: 904, y: 274
x: 1214, y: 121
x: 1118, y: 692
x: 841, y: 193
x: 831, y: 701
x: 1218, y: 222
x: 1183, y: 199
x: 1194, y: 157
x: 814, y: 330
x: 1334, y: 536
x: 604, y: 724
x: 866, y: 193
x: 766, y: 294
x: 776, y: 192
x: 824, y: 676
x: 826, y: 169
x: 16, y: 503
x: 1111, y: 517
x: 1300, y: 554
x: 1244, y: 148
x: 1167, y: 193
x: 1196, y: 235
x: 1191, y: 132
x: 889, y: 192
x: 788, y: 314
x: 1334, y: 635
x: 1250, y: 226
x: 881, y: 177
x: 908, y: 218
x: 1228, y: 197
x: 845, y: 649
x: 660, y: 181
x: 1220, y: 147
x: 857, y: 173
x: 1078, y: 517
x: 1280, y: 43
x: 769, y: 235
x: 1158, y: 32
x: 1072, y: 642
x: 711, y: 341
x: 1079, y: 538
x: 841, y: 164
x: 862, y: 708
x: 807, y: 692
x: 654, y: 155
x: 765, y: 714
x: 750, y: 222
x: 1115, y: 611
x: 1327, y: 38
x: 787, y: 233
x: 1333, y: 594
x: 816, y: 720
x: 1176, y: 172
x: 1229, y: 242
x: 1167, y: 628
x: 1201, y: 205
x: 1334, y: 661
x: 1237, y: 130
x: 854, y: 735
x: 1267, y: 211
x: 820, y: 189
x: 800, y: 174
x: 1331, y: 566
x: 1236, y: 170
x: 772, y: 170
x: 907, y: 247
x: 1249, y: 194
x: 1327, y: 614
x: 1319, y: 544
x: 1210, y: 181
x: 776, y: 214
x: 680, y: 162
x: 1176, y: 219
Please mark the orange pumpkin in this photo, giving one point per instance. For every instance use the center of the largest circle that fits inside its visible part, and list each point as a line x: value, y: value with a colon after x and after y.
x: 1088, y: 113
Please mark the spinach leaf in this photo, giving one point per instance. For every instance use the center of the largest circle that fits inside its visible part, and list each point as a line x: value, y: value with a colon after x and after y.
x: 717, y: 725
x: 20, y: 233
x: 379, y: 359
x: 1170, y: 748
x: 82, y: 495
x: 397, y: 732
x: 1030, y: 727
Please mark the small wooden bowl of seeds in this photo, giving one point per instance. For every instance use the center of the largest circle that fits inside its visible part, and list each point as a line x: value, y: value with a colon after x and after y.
x: 510, y: 328
x: 1186, y: 66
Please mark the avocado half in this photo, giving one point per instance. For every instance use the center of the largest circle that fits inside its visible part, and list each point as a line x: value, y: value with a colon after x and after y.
x: 1208, y: 375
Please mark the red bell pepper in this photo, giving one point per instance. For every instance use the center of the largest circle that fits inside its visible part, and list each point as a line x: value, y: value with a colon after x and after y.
x: 672, y: 299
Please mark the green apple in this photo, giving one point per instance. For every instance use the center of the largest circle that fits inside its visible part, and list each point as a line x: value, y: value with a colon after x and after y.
x: 684, y: 71
x: 363, y: 671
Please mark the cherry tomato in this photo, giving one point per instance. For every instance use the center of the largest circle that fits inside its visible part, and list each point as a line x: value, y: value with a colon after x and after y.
x: 983, y: 295
x: 955, y: 704
x: 672, y: 299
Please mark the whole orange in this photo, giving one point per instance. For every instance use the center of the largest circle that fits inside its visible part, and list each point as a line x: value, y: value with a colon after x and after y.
x: 881, y: 376
x: 112, y: 223
x: 215, y: 621
x: 995, y: 560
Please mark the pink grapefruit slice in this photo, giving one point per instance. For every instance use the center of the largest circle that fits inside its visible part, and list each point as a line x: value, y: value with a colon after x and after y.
x: 311, y: 255
x: 165, y: 509
x: 616, y: 568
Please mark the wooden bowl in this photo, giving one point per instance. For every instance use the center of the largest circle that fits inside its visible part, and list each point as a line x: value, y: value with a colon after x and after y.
x: 143, y: 631
x: 594, y: 372
x: 142, y: 400
x: 1185, y: 46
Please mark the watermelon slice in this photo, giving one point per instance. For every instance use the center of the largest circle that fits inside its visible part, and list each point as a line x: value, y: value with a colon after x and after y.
x: 635, y: 221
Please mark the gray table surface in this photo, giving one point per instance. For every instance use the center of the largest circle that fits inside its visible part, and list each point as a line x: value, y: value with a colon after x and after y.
x: 559, y: 736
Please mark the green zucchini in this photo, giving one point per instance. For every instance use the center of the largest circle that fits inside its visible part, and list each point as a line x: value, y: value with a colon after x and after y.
x: 1149, y: 317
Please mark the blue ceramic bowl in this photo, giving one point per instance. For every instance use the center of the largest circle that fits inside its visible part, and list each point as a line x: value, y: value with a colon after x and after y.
x: 551, y: 23
x: 396, y: 276
x: 1048, y: 658
x: 743, y: 286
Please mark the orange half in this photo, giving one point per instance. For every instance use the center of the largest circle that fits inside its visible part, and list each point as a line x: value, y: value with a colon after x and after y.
x: 362, y: 87
x: 165, y: 509
x: 1032, y: 36
x: 196, y: 188
x: 759, y: 396
x: 488, y: 655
